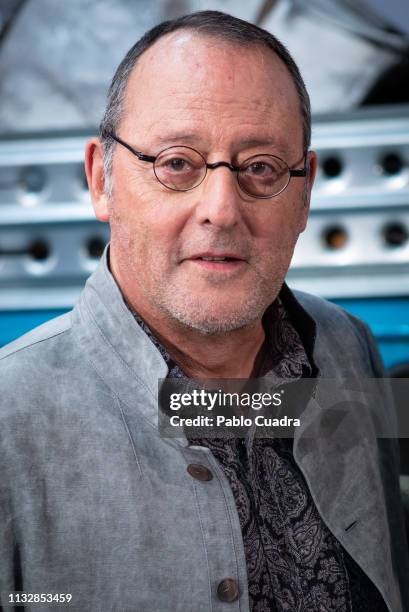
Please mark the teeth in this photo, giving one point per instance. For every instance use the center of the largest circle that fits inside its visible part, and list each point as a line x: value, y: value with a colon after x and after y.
x: 213, y: 258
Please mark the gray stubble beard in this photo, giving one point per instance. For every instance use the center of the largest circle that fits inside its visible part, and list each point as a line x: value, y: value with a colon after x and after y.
x: 195, y: 317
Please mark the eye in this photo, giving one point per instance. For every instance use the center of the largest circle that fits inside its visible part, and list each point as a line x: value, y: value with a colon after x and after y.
x: 259, y: 168
x: 176, y: 164
x: 179, y: 161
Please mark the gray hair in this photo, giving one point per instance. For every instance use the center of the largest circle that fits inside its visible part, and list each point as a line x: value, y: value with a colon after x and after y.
x: 209, y: 23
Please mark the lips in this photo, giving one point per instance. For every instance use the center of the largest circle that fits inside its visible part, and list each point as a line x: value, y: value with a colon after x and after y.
x: 225, y: 263
x: 217, y: 257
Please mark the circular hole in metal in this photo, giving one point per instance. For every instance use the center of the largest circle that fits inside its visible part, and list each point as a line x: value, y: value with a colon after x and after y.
x: 32, y: 179
x: 335, y: 237
x: 39, y: 250
x: 391, y: 164
x: 395, y: 234
x: 332, y: 167
x: 95, y: 247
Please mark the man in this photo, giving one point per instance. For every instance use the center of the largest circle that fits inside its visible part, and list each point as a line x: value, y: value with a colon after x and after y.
x: 204, y: 174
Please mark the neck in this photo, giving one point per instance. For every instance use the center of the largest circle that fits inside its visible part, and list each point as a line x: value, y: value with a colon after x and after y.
x: 202, y: 356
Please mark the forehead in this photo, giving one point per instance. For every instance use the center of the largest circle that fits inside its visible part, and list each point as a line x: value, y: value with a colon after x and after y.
x: 212, y: 88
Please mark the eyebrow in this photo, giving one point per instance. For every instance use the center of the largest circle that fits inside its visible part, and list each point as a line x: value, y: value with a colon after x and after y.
x: 259, y: 142
x: 176, y: 137
x: 195, y: 139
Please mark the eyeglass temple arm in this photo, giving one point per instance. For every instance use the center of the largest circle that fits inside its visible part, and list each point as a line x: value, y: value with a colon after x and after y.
x: 139, y: 155
x: 304, y: 170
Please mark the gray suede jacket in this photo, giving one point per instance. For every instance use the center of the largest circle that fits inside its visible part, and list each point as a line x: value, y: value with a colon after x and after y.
x: 94, y: 503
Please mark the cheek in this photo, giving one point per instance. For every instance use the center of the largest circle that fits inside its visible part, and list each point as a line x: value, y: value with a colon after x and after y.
x: 147, y: 225
x: 277, y: 226
x: 161, y: 224
x: 276, y: 234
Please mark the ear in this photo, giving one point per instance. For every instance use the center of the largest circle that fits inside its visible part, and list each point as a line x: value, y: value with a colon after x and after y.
x: 94, y: 169
x: 311, y: 165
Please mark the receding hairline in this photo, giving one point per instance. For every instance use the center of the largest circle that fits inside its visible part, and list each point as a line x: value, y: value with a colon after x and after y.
x: 257, y: 45
x: 220, y: 37
x: 223, y: 42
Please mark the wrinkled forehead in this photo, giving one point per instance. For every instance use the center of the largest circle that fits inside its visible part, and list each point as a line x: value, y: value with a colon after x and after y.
x: 188, y: 77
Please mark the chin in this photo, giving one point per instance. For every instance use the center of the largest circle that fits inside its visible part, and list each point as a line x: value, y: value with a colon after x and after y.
x: 212, y: 323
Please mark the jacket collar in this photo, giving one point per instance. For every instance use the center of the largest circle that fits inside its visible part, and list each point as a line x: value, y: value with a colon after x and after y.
x: 121, y: 353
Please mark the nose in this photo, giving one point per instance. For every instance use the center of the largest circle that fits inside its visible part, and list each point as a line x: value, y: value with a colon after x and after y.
x: 219, y: 202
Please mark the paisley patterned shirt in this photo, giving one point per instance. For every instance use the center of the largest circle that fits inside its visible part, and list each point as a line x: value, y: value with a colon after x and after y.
x: 294, y: 563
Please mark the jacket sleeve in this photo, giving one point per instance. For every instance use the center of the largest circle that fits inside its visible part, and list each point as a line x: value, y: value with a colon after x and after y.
x: 390, y: 468
x: 376, y: 370
x: 10, y: 574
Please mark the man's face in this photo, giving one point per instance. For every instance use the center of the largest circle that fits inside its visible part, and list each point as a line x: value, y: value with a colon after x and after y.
x: 228, y: 103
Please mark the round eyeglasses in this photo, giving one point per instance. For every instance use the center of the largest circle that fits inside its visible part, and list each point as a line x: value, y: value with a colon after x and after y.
x: 182, y: 168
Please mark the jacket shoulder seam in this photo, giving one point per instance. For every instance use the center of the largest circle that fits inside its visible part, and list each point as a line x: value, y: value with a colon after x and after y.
x: 35, y: 342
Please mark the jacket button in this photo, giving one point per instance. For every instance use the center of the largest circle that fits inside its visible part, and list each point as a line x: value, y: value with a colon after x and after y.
x: 200, y: 472
x: 228, y: 590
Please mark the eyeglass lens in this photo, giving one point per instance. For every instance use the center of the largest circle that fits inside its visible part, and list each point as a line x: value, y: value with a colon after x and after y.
x: 263, y: 176
x: 183, y: 168
x: 180, y: 168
